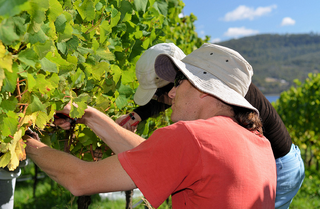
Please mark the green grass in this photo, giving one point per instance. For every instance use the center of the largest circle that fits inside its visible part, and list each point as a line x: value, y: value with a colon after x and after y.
x: 51, y: 195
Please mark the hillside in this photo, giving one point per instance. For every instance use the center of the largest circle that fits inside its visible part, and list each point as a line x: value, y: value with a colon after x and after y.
x: 279, y: 59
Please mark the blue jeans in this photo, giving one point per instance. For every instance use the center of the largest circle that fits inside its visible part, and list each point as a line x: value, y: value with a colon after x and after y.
x: 290, y: 175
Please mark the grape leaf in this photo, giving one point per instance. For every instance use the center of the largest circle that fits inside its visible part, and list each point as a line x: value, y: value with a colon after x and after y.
x: 11, y: 8
x: 29, y: 57
x: 5, y: 59
x: 55, y: 10
x: 99, y: 70
x: 48, y: 66
x: 35, y: 105
x: 8, y: 33
x: 121, y: 101
x: 2, y: 77
x: 10, y: 123
x: 17, y: 151
x: 10, y: 81
x: 85, y: 9
x: 9, y: 104
x: 5, y: 159
x: 41, y: 119
x: 116, y: 73
x: 162, y: 7
x: 141, y: 5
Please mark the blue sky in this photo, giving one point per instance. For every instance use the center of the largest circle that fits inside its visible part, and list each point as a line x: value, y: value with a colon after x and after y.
x: 228, y: 19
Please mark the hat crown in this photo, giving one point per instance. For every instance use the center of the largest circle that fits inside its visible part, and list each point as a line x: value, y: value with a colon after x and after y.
x: 225, y: 64
x: 149, y: 82
x: 145, y: 72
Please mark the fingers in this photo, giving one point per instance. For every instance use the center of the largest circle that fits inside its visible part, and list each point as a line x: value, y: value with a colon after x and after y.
x: 129, y: 122
x: 62, y: 123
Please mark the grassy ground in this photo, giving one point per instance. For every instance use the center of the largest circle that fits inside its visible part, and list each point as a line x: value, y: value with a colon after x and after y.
x: 50, y: 195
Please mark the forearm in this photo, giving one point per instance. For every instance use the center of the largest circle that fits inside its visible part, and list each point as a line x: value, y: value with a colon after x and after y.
x: 59, y: 166
x: 116, y: 137
x: 78, y: 176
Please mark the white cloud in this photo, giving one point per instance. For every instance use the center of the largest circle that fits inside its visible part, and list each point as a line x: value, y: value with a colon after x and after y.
x: 244, y: 12
x: 288, y: 21
x: 216, y: 40
x: 237, y: 32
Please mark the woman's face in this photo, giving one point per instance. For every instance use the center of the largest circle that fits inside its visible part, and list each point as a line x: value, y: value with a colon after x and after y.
x: 164, y: 98
x: 161, y: 94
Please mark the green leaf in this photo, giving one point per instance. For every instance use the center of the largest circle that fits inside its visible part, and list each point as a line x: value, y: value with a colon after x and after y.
x: 66, y: 34
x: 126, y: 8
x: 29, y: 57
x: 42, y: 119
x: 102, y: 103
x: 81, y: 101
x: 78, y: 78
x: 35, y: 105
x: 141, y: 5
x: 31, y: 82
x: 162, y: 7
x: 105, y: 30
x: 105, y: 53
x: 43, y: 48
x: 10, y: 124
x: 125, y: 90
x: 60, y: 23
x: 115, y: 18
x: 10, y: 81
x: 48, y: 66
x: 117, y: 72
x: 2, y: 77
x: 5, y: 159
x: 8, y: 33
x: 9, y: 104
x: 38, y: 36
x: 13, y: 7
x: 121, y: 101
x: 86, y: 137
x: 73, y: 43
x: 99, y: 70
x: 85, y: 9
x: 55, y: 10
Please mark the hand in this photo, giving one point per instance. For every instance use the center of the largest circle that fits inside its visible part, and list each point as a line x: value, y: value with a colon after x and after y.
x: 64, y: 123
x: 129, y: 122
x: 32, y: 134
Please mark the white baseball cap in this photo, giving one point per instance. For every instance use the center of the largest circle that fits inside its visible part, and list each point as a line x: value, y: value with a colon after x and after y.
x: 149, y: 82
x: 214, y: 69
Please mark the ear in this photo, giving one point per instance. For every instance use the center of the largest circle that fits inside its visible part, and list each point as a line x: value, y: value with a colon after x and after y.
x: 203, y: 95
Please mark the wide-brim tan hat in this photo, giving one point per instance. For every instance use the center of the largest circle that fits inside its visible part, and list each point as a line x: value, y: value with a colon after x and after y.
x: 149, y: 82
x: 214, y: 69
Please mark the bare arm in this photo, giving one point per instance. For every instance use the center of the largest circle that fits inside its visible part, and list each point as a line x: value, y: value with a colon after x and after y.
x: 116, y: 137
x: 79, y: 177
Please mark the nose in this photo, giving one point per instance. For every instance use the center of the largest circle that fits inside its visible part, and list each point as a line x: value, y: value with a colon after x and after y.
x: 172, y: 92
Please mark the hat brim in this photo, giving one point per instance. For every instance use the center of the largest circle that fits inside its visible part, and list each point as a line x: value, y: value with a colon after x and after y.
x: 210, y: 84
x: 143, y: 96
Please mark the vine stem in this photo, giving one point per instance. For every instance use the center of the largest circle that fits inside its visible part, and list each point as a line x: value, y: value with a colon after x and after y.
x: 18, y: 90
x: 96, y: 25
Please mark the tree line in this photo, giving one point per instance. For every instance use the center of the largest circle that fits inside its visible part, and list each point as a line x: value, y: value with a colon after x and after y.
x: 279, y: 59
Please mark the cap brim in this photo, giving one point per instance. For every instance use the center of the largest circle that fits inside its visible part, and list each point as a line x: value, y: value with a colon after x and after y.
x: 210, y: 84
x: 143, y: 96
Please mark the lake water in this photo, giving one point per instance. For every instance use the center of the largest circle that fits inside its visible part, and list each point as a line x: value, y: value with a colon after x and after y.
x: 272, y: 98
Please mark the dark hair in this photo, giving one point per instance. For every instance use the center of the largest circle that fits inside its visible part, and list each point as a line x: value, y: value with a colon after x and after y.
x: 248, y: 119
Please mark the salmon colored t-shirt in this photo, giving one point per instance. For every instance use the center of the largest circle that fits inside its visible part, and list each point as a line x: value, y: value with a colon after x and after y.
x: 213, y: 163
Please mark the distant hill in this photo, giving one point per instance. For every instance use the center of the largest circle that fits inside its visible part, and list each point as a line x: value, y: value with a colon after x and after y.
x: 279, y: 59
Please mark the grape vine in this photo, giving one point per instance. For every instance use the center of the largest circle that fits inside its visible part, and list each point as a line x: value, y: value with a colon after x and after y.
x: 56, y: 51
